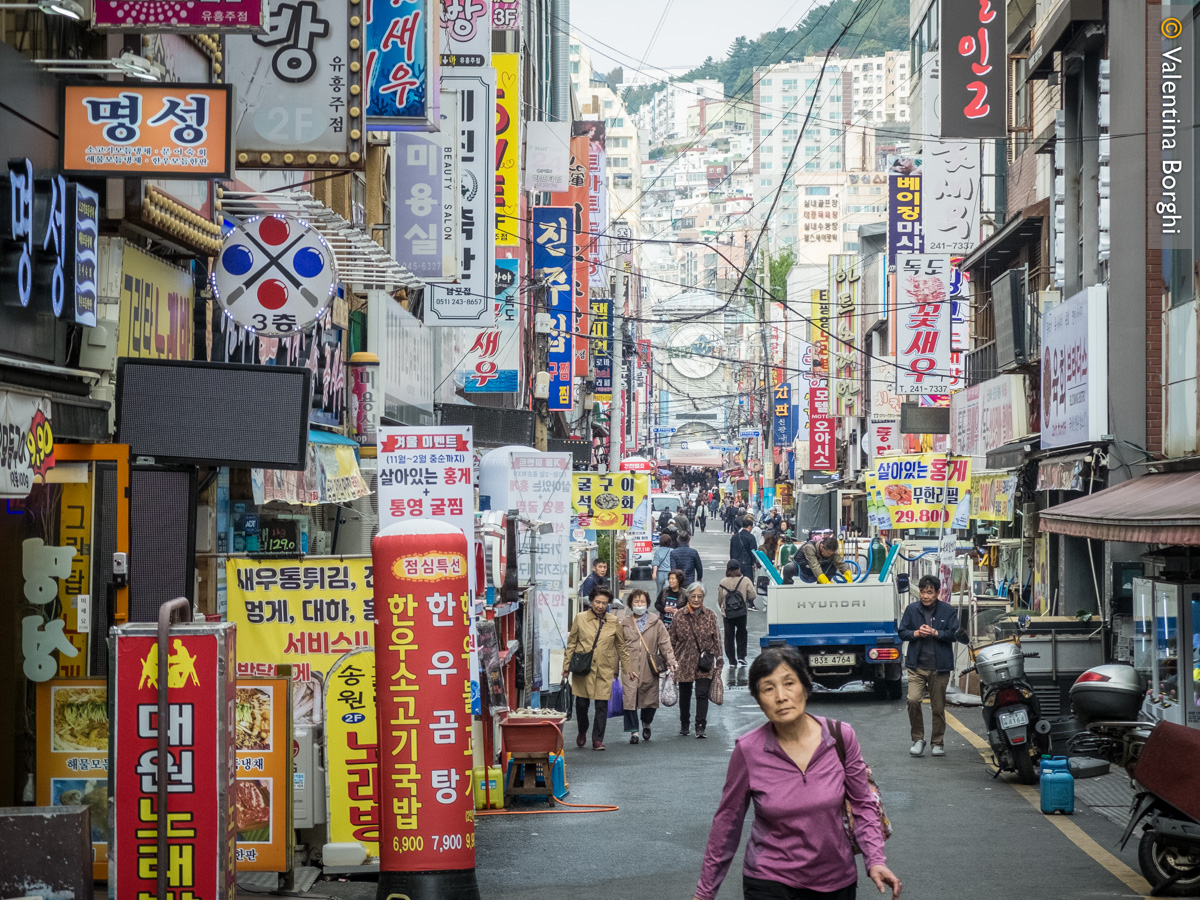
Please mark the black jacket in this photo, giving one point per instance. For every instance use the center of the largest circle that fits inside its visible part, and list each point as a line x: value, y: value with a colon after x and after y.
x: 679, y: 598
x: 687, y: 561
x: 945, y: 623
x: 741, y: 547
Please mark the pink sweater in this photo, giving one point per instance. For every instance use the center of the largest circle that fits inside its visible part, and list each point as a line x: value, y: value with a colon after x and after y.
x: 797, y: 837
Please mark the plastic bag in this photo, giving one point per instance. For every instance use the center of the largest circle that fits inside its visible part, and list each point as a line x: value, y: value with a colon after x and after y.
x: 668, y: 690
x: 562, y: 702
x: 616, y: 701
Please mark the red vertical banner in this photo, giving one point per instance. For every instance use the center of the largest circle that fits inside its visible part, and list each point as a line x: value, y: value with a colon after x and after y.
x: 422, y: 649
x: 576, y: 197
x: 201, y: 769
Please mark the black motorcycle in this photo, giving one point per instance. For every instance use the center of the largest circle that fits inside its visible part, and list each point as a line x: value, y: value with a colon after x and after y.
x: 1017, y: 733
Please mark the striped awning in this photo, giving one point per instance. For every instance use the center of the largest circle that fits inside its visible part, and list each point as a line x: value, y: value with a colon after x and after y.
x: 1153, y: 509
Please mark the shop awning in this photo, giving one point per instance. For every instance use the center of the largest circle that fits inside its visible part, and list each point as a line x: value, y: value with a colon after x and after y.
x: 1050, y: 34
x: 332, y: 475
x: 1153, y: 509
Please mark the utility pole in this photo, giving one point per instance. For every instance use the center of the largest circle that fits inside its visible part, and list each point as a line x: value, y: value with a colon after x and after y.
x: 769, y: 395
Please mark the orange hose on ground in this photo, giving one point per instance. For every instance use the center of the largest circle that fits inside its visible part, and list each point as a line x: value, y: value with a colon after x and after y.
x: 577, y: 808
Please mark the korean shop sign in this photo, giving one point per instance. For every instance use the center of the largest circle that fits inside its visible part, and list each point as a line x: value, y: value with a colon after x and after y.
x: 180, y: 18
x: 1075, y: 369
x: 294, y: 83
x: 466, y: 39
x: 168, y: 131
x: 263, y: 803
x: 424, y: 207
x: 923, y: 491
x: 974, y: 69
x: 275, y: 275
x: 155, y: 308
x: 508, y: 148
x: 469, y: 301
x: 352, y: 751
x: 905, y: 220
x: 607, y: 502
x: 26, y: 443
x: 83, y: 205
x: 554, y: 256
x: 72, y: 754
x: 306, y: 614
x: 200, y: 760
x: 35, y: 240
x: 491, y: 365
x: 923, y: 324
x: 397, y: 78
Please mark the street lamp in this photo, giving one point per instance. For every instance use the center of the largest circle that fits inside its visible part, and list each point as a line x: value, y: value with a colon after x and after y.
x: 129, y: 64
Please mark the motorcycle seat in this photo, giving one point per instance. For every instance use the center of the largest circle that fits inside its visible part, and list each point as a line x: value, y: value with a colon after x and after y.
x: 1164, y: 767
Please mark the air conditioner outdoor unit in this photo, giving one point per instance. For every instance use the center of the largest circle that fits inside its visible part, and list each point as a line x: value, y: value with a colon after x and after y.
x: 358, y: 521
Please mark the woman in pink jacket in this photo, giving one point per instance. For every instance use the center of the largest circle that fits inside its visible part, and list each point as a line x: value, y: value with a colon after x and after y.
x: 791, y: 770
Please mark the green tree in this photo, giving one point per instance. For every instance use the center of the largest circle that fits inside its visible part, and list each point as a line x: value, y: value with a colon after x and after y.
x: 779, y: 266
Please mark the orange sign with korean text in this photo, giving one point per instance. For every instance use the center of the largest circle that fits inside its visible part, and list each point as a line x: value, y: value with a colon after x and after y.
x: 72, y: 754
x: 163, y: 131
x: 263, y: 801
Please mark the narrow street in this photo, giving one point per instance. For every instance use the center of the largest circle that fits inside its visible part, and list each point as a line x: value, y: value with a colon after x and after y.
x: 958, y: 832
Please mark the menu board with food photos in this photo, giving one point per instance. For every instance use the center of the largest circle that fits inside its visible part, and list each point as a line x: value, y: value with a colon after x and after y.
x: 263, y: 798
x: 72, y: 754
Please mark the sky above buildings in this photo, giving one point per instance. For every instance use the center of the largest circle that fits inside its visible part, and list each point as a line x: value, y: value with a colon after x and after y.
x: 691, y: 30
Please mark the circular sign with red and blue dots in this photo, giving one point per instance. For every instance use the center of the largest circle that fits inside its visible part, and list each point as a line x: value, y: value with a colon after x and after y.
x: 275, y: 275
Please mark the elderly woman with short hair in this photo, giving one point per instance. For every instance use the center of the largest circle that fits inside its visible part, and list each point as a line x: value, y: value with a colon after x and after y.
x: 696, y: 640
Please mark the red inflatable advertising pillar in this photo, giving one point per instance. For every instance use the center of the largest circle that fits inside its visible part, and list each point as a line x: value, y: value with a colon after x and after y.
x: 423, y: 696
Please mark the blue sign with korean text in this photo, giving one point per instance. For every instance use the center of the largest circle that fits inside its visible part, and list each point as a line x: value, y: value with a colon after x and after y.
x: 397, y: 62
x: 781, y: 414
x: 905, y: 226
x: 553, y: 259
x: 86, y: 210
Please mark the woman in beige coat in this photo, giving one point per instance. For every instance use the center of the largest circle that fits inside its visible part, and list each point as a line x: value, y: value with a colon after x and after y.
x: 600, y: 633
x: 650, y: 655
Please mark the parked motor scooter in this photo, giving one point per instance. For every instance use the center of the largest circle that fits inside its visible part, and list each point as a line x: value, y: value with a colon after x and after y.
x: 1017, y: 733
x: 1108, y: 700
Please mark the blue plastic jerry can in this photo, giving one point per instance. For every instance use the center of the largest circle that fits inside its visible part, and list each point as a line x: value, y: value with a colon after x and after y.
x: 1057, y: 786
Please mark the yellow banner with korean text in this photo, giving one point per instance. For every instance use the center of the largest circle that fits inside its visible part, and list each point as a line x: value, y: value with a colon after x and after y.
x: 306, y: 614
x: 923, y: 491
x: 607, y: 502
x: 992, y: 496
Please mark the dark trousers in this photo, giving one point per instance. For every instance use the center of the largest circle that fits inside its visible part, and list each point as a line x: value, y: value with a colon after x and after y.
x: 685, y: 702
x: 631, y: 717
x: 702, y: 522
x: 735, y: 634
x: 761, y: 889
x: 601, y: 713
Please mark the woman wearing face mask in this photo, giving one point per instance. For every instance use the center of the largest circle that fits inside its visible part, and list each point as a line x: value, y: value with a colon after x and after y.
x: 696, y: 640
x: 799, y: 775
x: 671, y: 598
x: 650, y: 655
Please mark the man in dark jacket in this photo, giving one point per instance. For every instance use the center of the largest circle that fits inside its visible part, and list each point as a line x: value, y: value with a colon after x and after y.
x: 931, y: 628
x: 595, y: 580
x: 687, y: 560
x: 742, y: 546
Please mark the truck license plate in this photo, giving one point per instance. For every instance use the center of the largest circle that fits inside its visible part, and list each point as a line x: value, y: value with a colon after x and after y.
x: 832, y: 659
x: 1013, y: 719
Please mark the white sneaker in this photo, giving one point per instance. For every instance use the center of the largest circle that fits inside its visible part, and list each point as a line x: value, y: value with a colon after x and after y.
x: 938, y: 751
x: 918, y: 748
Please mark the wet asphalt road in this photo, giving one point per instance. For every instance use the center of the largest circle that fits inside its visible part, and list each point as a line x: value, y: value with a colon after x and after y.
x: 958, y: 832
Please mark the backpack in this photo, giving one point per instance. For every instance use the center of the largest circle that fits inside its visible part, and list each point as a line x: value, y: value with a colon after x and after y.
x: 664, y: 519
x: 885, y: 824
x: 735, y: 603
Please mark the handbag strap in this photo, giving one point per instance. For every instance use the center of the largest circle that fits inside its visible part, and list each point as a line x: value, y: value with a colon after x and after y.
x: 692, y: 629
x: 599, y: 628
x: 839, y: 741
x: 649, y: 655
